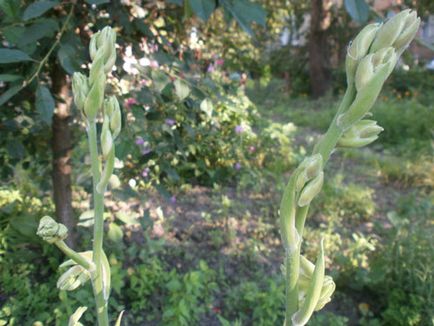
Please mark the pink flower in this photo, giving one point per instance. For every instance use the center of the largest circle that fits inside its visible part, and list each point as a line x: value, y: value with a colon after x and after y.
x: 145, y: 172
x: 252, y: 149
x: 237, y: 166
x: 173, y: 200
x: 219, y: 62
x: 129, y: 102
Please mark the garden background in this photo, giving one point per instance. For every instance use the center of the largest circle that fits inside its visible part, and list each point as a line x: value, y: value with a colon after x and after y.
x: 221, y: 99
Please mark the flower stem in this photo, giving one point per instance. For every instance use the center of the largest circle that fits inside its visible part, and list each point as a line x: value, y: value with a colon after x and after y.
x: 74, y: 255
x: 98, y: 231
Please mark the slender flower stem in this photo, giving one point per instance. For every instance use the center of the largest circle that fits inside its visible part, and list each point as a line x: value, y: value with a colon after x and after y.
x: 79, y: 259
x: 98, y: 203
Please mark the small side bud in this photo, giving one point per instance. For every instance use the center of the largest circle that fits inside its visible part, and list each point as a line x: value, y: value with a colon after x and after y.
x: 112, y: 109
x: 309, y: 169
x: 73, y: 278
x: 310, y: 191
x: 106, y: 137
x: 80, y: 88
x: 75, y: 317
x: 328, y: 288
x: 360, y: 134
x: 51, y: 231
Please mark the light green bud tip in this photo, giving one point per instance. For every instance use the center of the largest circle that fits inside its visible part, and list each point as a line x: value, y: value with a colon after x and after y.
x: 397, y: 31
x: 309, y: 169
x: 73, y: 278
x: 80, y: 88
x: 310, y: 191
x: 103, y: 45
x: 360, y: 134
x: 51, y: 231
x: 375, y: 65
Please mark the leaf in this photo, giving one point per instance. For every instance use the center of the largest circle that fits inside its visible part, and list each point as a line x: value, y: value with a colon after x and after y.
x: 245, y: 13
x: 10, y: 77
x: 128, y: 219
x: 10, y: 7
x: 115, y: 233
x: 68, y: 58
x: 358, y: 10
x: 38, y: 8
x: 36, y: 31
x: 44, y: 104
x: 207, y: 107
x: 203, y: 8
x: 159, y: 79
x: 97, y: 2
x: 9, y: 93
x: 9, y: 55
x: 181, y: 89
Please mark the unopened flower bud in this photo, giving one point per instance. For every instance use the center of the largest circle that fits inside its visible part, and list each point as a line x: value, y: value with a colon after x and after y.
x: 328, y: 288
x: 360, y: 134
x: 311, y: 190
x: 313, y: 295
x: 51, y: 231
x: 106, y: 137
x: 73, y: 278
x: 113, y: 111
x: 309, y: 169
x: 397, y: 31
x: 102, y: 46
x: 411, y: 27
x: 80, y: 88
x: 379, y: 64
x: 75, y: 317
x: 358, y: 48
x: 95, y: 98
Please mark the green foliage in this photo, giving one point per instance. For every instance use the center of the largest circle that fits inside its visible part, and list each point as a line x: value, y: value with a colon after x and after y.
x: 256, y: 303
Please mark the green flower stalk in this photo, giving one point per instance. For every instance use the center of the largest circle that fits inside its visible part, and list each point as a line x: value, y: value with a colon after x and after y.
x: 371, y: 58
x: 89, y: 99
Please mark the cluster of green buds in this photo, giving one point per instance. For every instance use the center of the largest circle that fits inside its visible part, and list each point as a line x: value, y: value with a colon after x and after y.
x: 370, y: 59
x: 89, y: 100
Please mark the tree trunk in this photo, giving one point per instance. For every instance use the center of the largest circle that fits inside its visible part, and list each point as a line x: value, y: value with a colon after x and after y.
x: 319, y: 79
x: 62, y: 147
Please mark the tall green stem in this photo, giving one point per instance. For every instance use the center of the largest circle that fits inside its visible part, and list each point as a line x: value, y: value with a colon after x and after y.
x: 98, y: 231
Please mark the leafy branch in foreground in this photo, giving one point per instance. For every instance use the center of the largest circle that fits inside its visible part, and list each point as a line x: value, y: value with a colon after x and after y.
x: 370, y: 60
x: 89, y: 99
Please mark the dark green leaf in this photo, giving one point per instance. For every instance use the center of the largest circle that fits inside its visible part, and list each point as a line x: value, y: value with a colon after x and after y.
x: 10, y: 78
x: 36, y: 31
x: 13, y: 33
x: 245, y: 13
x: 9, y: 55
x: 9, y: 93
x: 358, y: 10
x: 160, y: 80
x: 68, y: 58
x: 10, y: 7
x: 203, y: 8
x: 44, y: 104
x: 38, y: 8
x: 97, y: 2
